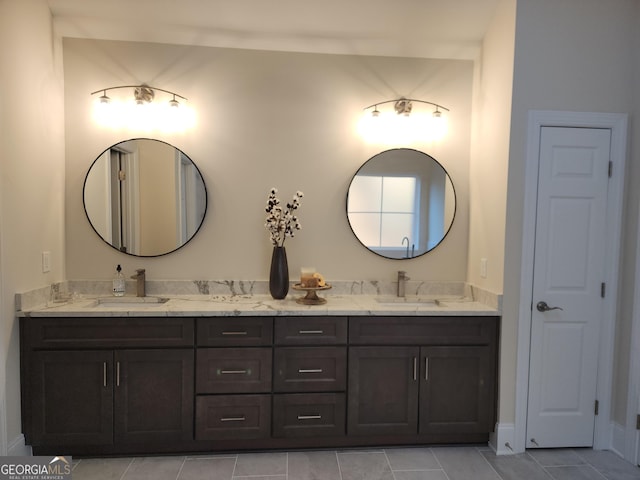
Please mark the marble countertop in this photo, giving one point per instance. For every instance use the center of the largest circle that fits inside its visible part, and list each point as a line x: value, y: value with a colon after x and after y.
x: 260, y: 305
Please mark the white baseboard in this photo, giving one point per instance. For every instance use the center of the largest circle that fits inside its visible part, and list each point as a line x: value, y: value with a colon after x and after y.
x: 502, y: 440
x: 17, y: 448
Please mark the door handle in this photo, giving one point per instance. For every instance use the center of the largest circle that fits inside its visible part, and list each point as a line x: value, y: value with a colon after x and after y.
x: 543, y: 307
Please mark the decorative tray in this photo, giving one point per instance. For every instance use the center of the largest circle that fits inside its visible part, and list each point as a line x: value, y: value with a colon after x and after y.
x: 311, y: 298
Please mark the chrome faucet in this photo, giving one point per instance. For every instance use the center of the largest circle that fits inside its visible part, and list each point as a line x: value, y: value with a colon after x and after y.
x: 402, y: 283
x: 140, y: 279
x: 407, y: 239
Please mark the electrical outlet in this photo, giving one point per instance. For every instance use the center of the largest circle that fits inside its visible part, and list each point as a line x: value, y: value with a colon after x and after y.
x: 483, y: 267
x: 46, y: 262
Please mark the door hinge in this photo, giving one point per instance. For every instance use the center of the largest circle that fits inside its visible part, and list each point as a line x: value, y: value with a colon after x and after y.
x: 596, y: 408
x: 603, y: 289
x: 610, y: 169
x: 637, y: 422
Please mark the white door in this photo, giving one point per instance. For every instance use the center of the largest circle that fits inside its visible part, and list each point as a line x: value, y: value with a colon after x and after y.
x: 569, y: 269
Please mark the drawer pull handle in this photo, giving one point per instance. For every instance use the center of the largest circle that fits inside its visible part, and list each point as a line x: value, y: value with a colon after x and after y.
x: 234, y: 333
x: 311, y: 332
x: 233, y: 372
x: 309, y: 370
x: 104, y: 374
x: 309, y: 417
x: 233, y: 419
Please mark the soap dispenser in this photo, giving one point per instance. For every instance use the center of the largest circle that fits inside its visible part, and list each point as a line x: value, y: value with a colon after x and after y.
x: 118, y: 283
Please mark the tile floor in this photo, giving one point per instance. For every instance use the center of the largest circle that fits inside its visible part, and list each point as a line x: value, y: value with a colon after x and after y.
x: 436, y: 463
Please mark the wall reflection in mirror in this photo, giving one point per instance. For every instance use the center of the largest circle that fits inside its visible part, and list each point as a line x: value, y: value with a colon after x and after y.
x: 401, y: 203
x: 145, y: 197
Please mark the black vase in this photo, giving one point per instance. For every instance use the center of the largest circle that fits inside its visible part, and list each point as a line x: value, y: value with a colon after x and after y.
x: 279, y: 274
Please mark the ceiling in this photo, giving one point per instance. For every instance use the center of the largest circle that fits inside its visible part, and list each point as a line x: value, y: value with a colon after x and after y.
x: 405, y: 28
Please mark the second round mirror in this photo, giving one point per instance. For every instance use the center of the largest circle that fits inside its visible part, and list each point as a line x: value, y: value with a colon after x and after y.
x: 401, y: 203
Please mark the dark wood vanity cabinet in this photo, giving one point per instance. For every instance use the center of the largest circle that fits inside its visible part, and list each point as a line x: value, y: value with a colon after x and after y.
x: 112, y: 394
x: 127, y: 385
x: 427, y: 377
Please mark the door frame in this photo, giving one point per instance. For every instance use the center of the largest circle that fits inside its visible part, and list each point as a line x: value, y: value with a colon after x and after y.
x: 618, y: 124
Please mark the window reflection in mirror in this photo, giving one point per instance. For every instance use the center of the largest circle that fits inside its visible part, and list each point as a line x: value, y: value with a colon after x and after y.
x: 401, y: 203
x: 144, y: 197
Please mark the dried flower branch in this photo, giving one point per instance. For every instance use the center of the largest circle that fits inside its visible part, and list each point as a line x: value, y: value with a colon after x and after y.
x: 282, y: 223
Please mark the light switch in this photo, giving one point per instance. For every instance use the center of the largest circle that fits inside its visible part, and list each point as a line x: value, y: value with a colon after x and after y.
x: 46, y: 262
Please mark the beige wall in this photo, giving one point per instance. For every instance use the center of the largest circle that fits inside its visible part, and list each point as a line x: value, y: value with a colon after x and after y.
x: 490, y: 149
x: 488, y: 173
x: 265, y: 119
x: 31, y: 175
x: 563, y: 61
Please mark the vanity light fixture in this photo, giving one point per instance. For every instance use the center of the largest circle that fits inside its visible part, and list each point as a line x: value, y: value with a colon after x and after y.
x: 405, y: 122
x: 143, y: 111
x: 403, y: 106
x: 142, y: 94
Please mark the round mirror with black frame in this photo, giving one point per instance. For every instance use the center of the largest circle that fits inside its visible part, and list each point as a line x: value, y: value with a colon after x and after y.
x: 144, y: 197
x: 401, y: 203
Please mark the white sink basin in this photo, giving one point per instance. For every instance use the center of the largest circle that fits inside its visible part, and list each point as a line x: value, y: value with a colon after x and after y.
x: 129, y: 302
x: 408, y: 301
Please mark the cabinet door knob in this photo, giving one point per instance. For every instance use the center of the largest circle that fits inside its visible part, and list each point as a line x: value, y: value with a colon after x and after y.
x: 415, y: 368
x: 426, y: 368
x: 117, y: 374
x: 104, y: 374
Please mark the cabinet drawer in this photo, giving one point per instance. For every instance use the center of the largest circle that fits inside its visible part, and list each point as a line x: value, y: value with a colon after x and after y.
x: 233, y: 370
x: 235, y: 331
x: 64, y: 333
x: 310, y: 369
x: 308, y: 415
x: 422, y: 330
x: 310, y: 330
x: 233, y: 417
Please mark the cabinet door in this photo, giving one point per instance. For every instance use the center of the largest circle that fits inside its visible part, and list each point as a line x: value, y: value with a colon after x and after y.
x: 154, y: 395
x: 457, y: 389
x: 383, y: 390
x: 72, y: 398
